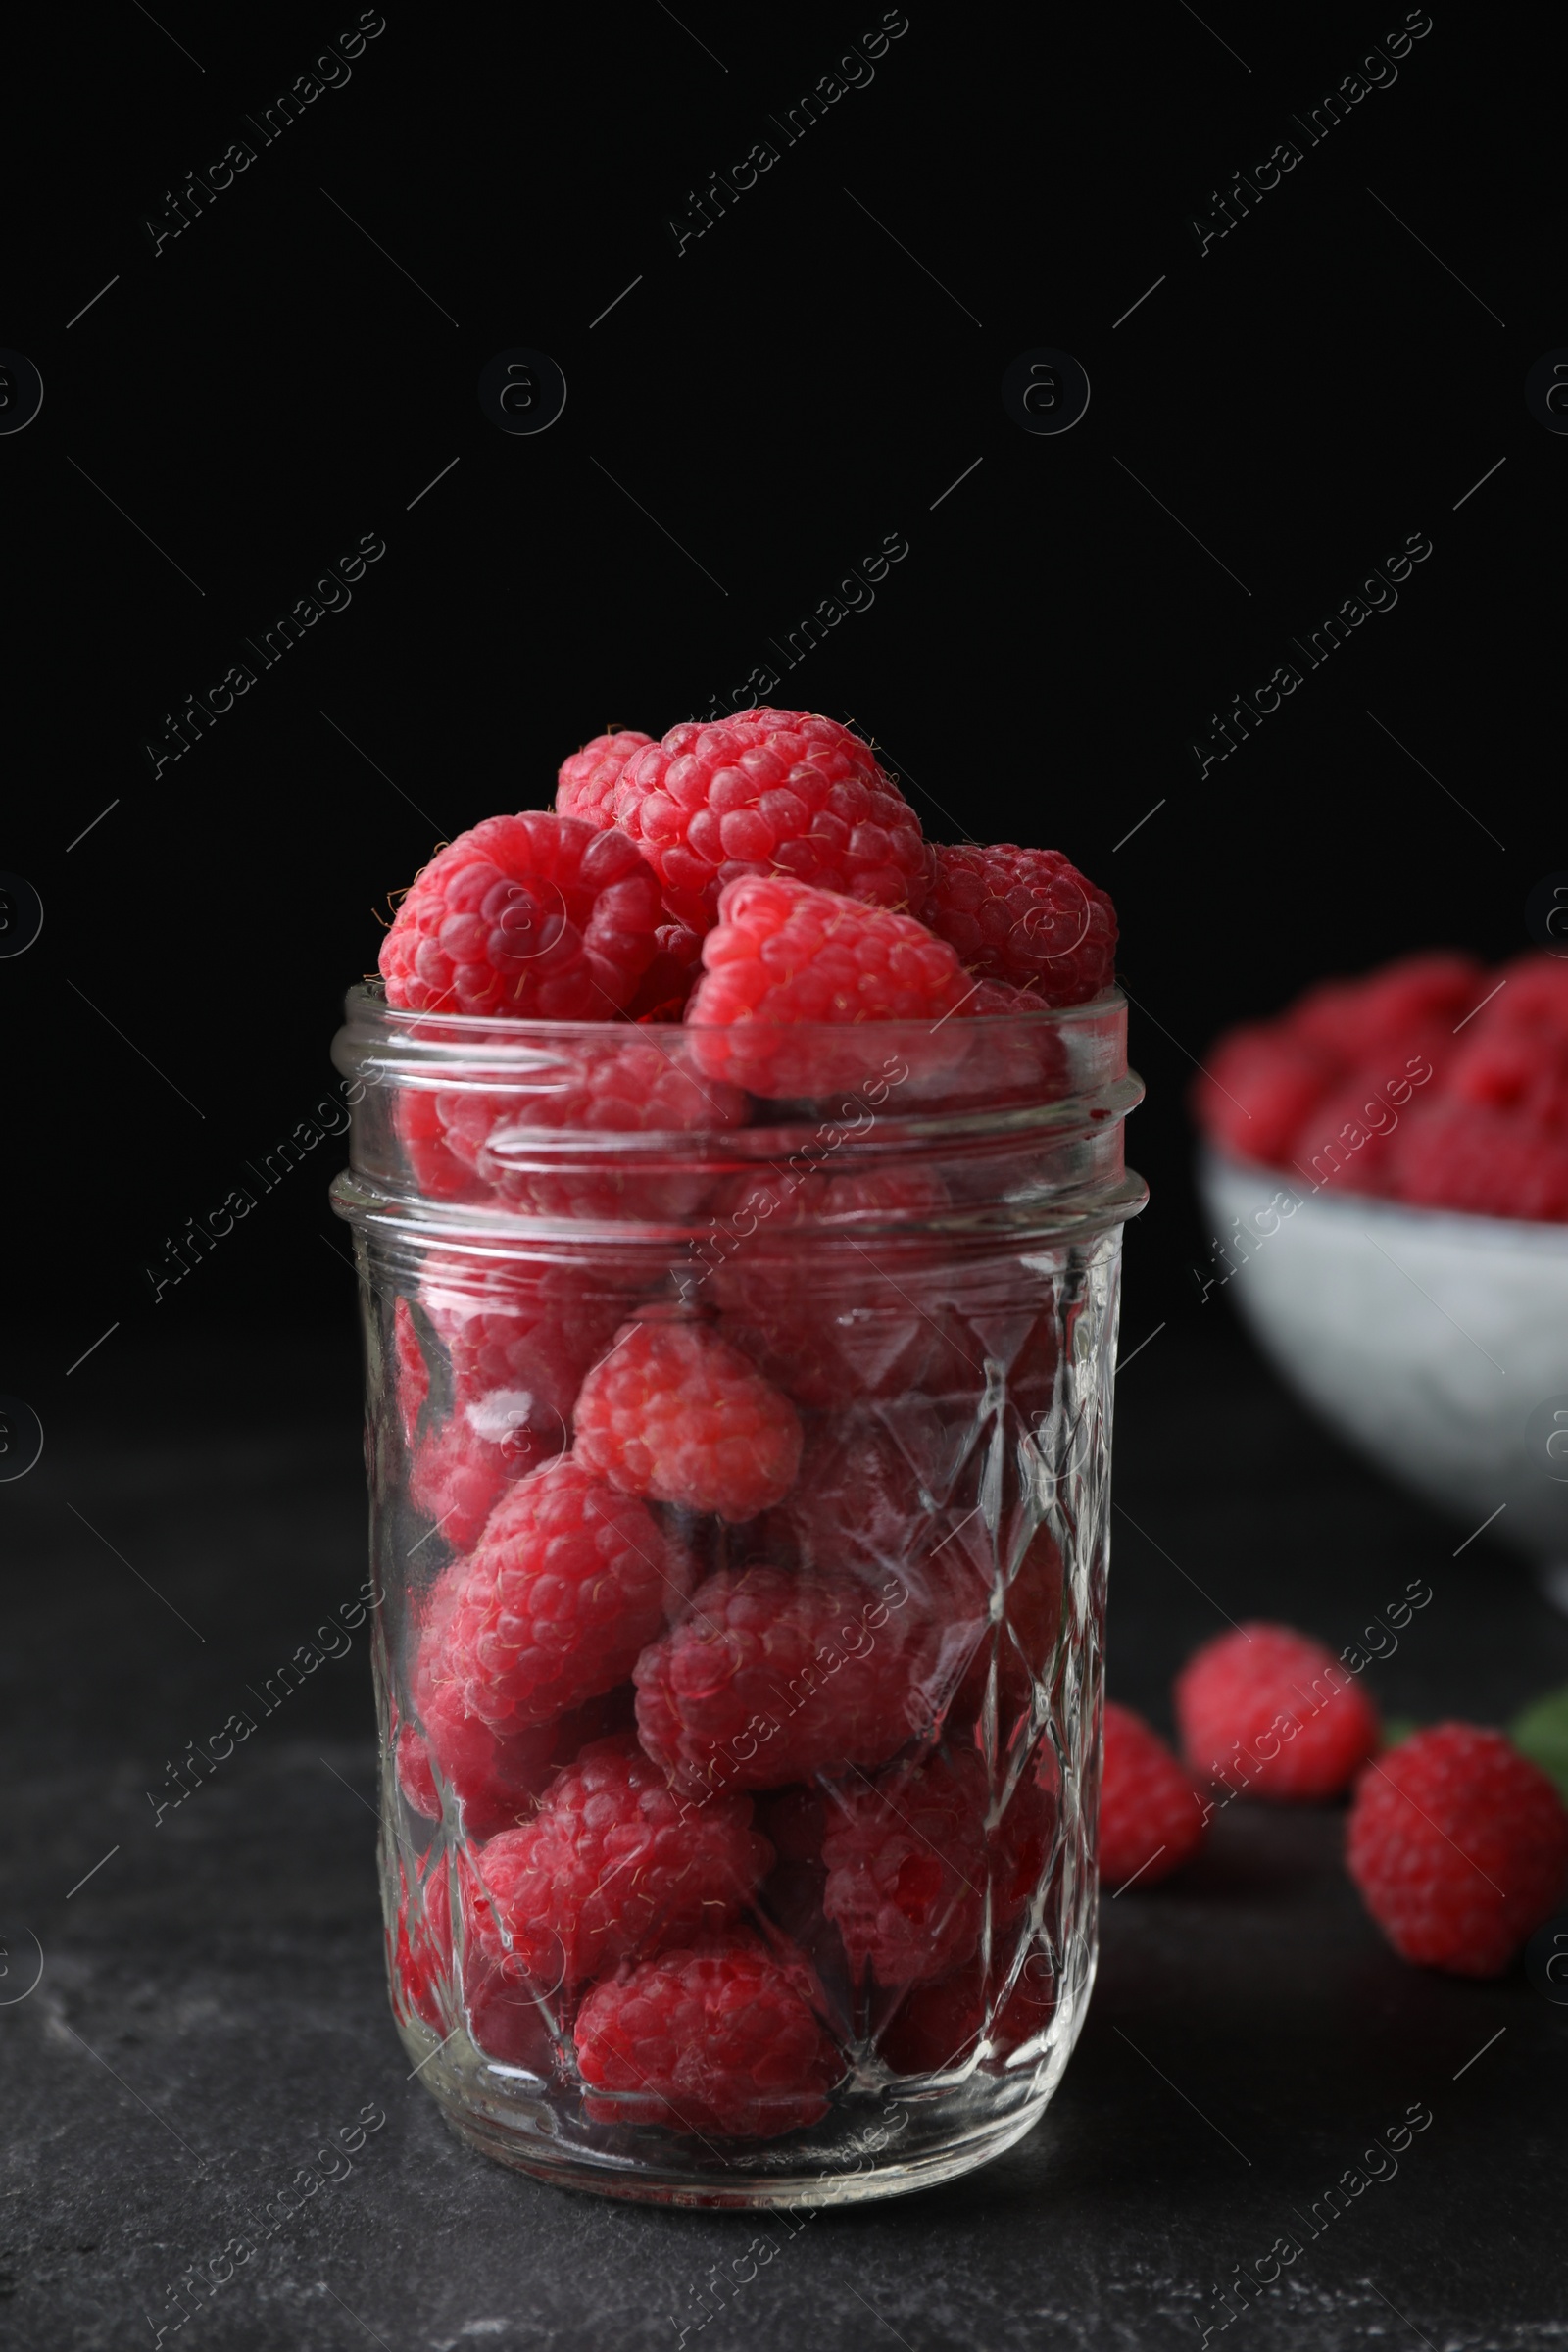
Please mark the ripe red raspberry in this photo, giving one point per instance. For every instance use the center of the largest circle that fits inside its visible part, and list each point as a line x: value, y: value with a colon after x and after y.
x: 438, y: 1172
x: 623, y: 1084
x: 534, y: 914
x: 1275, y: 1709
x: 614, y: 1866
x: 1151, y: 1816
x: 461, y: 1469
x: 1488, y: 1163
x: 937, y: 2025
x: 1394, y: 1008
x: 850, y: 1331
x: 1459, y: 1848
x: 665, y: 987
x: 856, y: 1503
x: 909, y: 1858
x: 585, y: 784
x: 721, y: 2038
x: 674, y: 1412
x: 1026, y: 918
x: 770, y: 791
x: 569, y: 1584
x: 784, y: 953
x: 411, y: 1374
x: 522, y: 1333
x: 775, y: 1676
x: 1011, y: 1650
x: 1259, y: 1090
x: 494, y: 1780
x: 419, y: 1950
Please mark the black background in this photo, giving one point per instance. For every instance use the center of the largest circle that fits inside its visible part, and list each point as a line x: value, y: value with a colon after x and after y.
x: 781, y: 395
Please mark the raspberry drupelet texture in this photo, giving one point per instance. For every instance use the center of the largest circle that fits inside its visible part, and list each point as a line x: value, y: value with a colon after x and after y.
x: 568, y: 1582
x: 522, y: 1330
x: 775, y: 1676
x: 1151, y: 1817
x: 908, y: 1859
x: 585, y: 784
x: 536, y: 916
x: 1026, y: 918
x: 1459, y: 1848
x: 614, y: 1866
x: 1275, y: 1713
x: 721, y: 2038
x: 411, y: 1374
x: 937, y: 2025
x: 770, y: 791
x: 461, y: 1469
x: 676, y: 1413
x: 783, y: 953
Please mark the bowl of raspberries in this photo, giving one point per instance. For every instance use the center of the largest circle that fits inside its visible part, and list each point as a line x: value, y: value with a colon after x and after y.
x: 738, y: 1191
x: 1385, y: 1169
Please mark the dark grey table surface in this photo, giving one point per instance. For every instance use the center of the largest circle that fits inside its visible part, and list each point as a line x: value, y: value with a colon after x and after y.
x: 210, y: 2002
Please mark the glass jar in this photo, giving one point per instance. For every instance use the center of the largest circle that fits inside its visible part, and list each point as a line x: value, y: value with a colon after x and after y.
x: 739, y: 1409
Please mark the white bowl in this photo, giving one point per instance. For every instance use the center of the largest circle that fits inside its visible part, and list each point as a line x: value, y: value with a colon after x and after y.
x: 1436, y: 1343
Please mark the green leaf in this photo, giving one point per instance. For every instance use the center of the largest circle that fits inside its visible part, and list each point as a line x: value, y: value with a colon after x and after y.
x: 1541, y: 1731
x: 1396, y: 1729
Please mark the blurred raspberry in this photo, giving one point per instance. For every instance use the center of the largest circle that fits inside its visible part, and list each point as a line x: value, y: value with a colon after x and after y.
x: 411, y: 1374
x: 1151, y: 1817
x: 769, y: 792
x: 533, y: 914
x: 614, y: 1865
x: 585, y: 784
x: 1259, y: 1088
x: 783, y: 954
x: 721, y: 2038
x: 568, y: 1582
x: 1025, y: 917
x: 776, y: 1676
x: 1406, y: 1001
x: 937, y: 2025
x: 1276, y: 1707
x: 674, y: 1412
x: 1459, y: 1848
x: 1489, y: 1163
x: 1348, y: 1137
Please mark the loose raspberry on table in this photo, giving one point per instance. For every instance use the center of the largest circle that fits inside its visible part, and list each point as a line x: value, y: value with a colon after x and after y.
x: 568, y: 1584
x: 1152, y: 1819
x: 721, y: 2038
x: 1024, y: 918
x: 784, y: 953
x: 615, y: 1865
x: 1459, y: 1848
x: 535, y: 914
x: 674, y: 1412
x: 776, y: 1675
x: 1274, y: 1713
x: 585, y: 784
x: 769, y: 792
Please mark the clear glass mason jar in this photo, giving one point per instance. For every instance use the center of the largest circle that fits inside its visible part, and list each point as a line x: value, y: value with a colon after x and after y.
x: 739, y: 1411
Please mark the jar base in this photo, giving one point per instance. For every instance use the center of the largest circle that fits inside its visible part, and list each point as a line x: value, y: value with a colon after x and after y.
x: 781, y: 2192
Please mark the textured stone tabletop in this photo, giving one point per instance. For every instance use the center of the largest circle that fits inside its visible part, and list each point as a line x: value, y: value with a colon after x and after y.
x: 211, y: 2005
